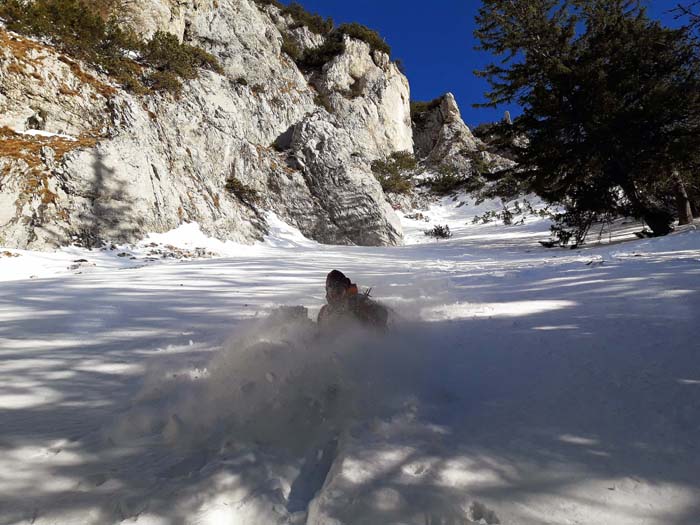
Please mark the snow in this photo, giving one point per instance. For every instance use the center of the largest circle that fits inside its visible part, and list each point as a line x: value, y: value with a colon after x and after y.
x: 518, y: 384
x: 458, y: 212
x: 45, y: 134
x: 183, y: 243
x: 41, y: 133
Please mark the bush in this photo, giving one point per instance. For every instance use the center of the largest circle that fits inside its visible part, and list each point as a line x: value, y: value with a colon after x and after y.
x: 419, y: 108
x: 109, y: 8
x: 242, y: 192
x: 77, y: 26
x: 485, y: 131
x: 573, y: 225
x: 364, y: 33
x: 174, y: 61
x: 404, y: 161
x: 506, y: 187
x: 265, y: 3
x: 291, y: 48
x: 165, y: 81
x: 81, y: 30
x: 316, y: 23
x: 203, y: 59
x: 390, y: 182
x: 439, y: 232
x: 316, y: 58
x: 165, y: 53
x: 395, y: 173
x: 479, y: 165
x: 446, y: 180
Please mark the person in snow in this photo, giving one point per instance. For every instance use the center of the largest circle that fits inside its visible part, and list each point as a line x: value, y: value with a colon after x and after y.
x: 346, y: 303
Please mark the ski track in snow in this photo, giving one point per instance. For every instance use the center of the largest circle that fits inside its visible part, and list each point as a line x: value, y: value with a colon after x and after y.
x: 517, y: 385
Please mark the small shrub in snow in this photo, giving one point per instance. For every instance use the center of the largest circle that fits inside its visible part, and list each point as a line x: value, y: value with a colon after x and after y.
x: 510, y: 212
x: 446, y: 180
x: 395, y: 173
x: 571, y: 227
x: 439, y: 232
x: 404, y: 161
x: 479, y: 164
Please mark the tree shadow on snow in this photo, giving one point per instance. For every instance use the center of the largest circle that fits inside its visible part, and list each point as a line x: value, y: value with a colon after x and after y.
x: 571, y: 392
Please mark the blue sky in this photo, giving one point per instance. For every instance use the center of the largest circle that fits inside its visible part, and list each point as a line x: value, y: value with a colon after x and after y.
x: 434, y: 40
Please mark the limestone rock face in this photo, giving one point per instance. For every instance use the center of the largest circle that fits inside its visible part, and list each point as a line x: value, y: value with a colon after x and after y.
x: 171, y: 16
x: 354, y: 207
x: 106, y: 165
x: 371, y: 97
x: 442, y: 138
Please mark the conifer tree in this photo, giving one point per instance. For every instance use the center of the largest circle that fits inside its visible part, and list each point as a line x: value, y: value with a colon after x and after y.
x: 690, y: 11
x: 611, y: 104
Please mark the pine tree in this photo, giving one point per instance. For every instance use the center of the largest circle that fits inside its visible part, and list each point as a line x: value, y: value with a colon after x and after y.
x: 690, y: 11
x: 611, y: 104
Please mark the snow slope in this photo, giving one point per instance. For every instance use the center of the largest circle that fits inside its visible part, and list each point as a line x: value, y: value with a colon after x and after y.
x: 517, y: 385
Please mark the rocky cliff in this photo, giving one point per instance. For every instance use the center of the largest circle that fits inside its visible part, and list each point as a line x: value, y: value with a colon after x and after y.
x: 82, y: 160
x: 443, y: 140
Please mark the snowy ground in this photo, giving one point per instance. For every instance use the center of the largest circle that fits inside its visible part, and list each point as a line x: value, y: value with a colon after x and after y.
x: 518, y: 384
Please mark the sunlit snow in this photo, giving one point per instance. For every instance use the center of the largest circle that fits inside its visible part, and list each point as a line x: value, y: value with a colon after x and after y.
x: 517, y: 384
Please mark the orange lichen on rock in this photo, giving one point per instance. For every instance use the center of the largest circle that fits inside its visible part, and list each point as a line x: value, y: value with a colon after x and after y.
x: 86, y: 78
x: 20, y: 46
x: 16, y: 69
x: 66, y: 91
x: 28, y: 148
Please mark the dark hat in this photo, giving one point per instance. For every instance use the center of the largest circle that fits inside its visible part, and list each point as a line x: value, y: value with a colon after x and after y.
x: 337, y: 279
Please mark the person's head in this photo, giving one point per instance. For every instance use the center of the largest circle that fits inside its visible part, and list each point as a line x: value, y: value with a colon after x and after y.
x: 337, y: 286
